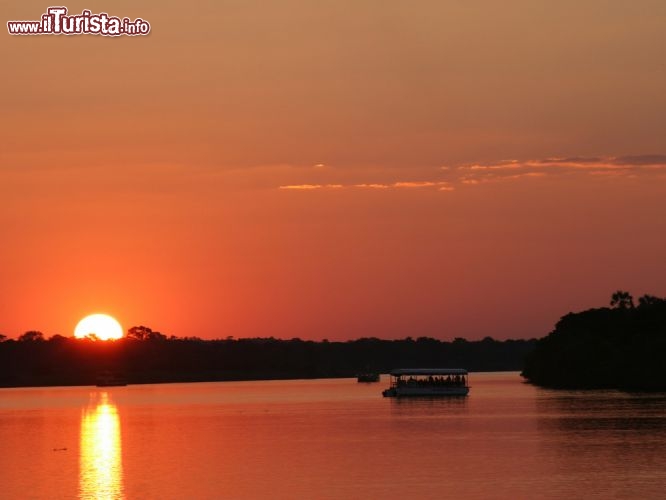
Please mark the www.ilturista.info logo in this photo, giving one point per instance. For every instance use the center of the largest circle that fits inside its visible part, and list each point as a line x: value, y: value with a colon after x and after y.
x: 57, y: 22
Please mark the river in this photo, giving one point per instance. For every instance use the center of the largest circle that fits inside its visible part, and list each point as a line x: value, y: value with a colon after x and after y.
x: 330, y: 439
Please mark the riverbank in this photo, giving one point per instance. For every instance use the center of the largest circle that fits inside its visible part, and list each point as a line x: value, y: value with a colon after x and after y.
x: 66, y: 361
x: 621, y: 347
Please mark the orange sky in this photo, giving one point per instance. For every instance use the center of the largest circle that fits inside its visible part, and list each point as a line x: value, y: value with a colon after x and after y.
x: 333, y: 169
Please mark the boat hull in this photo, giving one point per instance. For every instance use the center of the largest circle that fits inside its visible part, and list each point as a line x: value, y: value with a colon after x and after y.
x: 406, y: 392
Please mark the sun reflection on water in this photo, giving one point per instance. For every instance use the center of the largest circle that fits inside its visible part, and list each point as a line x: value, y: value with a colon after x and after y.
x: 101, y: 471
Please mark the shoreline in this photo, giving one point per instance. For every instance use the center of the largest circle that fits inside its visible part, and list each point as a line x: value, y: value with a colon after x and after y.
x: 245, y: 379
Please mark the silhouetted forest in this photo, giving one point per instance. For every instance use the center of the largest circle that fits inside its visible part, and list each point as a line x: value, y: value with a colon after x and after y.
x: 145, y: 356
x: 620, y: 347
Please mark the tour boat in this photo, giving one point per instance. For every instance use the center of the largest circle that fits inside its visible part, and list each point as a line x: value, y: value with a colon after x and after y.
x: 406, y: 382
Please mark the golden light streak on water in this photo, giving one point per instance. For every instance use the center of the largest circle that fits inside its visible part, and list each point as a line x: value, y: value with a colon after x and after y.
x: 100, y: 469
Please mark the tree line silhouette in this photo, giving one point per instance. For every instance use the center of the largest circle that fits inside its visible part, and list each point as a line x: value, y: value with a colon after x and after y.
x: 621, y: 347
x: 147, y: 356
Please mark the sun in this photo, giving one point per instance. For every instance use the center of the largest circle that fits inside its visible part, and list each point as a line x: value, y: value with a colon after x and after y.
x: 102, y: 326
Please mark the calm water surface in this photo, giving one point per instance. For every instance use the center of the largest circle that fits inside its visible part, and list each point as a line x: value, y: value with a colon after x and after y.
x: 333, y: 439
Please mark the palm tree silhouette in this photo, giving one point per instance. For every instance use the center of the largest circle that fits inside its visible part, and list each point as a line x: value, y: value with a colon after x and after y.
x: 622, y: 300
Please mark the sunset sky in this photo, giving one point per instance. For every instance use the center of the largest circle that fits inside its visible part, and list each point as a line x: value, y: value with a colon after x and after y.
x: 333, y: 169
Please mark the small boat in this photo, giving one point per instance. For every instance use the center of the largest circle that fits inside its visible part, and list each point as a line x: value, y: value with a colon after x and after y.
x: 108, y: 378
x: 367, y: 377
x: 407, y: 382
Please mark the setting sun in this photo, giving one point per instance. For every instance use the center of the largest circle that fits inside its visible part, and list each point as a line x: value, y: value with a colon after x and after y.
x: 102, y: 326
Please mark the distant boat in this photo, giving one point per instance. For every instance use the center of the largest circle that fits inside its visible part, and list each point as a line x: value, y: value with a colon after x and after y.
x: 408, y: 382
x: 367, y: 377
x: 108, y: 378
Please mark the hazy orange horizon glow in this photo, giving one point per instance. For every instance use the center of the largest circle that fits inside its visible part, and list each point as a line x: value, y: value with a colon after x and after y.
x: 332, y: 169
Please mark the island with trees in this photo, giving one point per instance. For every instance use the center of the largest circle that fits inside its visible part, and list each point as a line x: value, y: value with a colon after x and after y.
x: 147, y: 356
x: 618, y: 347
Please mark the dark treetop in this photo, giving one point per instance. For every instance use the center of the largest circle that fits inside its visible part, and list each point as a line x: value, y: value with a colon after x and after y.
x: 622, y: 347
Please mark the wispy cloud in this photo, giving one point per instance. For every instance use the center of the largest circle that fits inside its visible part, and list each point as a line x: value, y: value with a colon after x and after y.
x: 526, y: 175
x: 610, y: 166
x: 643, y: 160
x: 371, y: 186
x: 303, y: 187
x: 411, y: 184
x: 306, y: 187
x: 447, y: 178
x: 573, y: 163
x: 440, y: 185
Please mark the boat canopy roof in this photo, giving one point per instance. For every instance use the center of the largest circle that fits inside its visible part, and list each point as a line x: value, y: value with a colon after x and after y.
x: 428, y: 371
